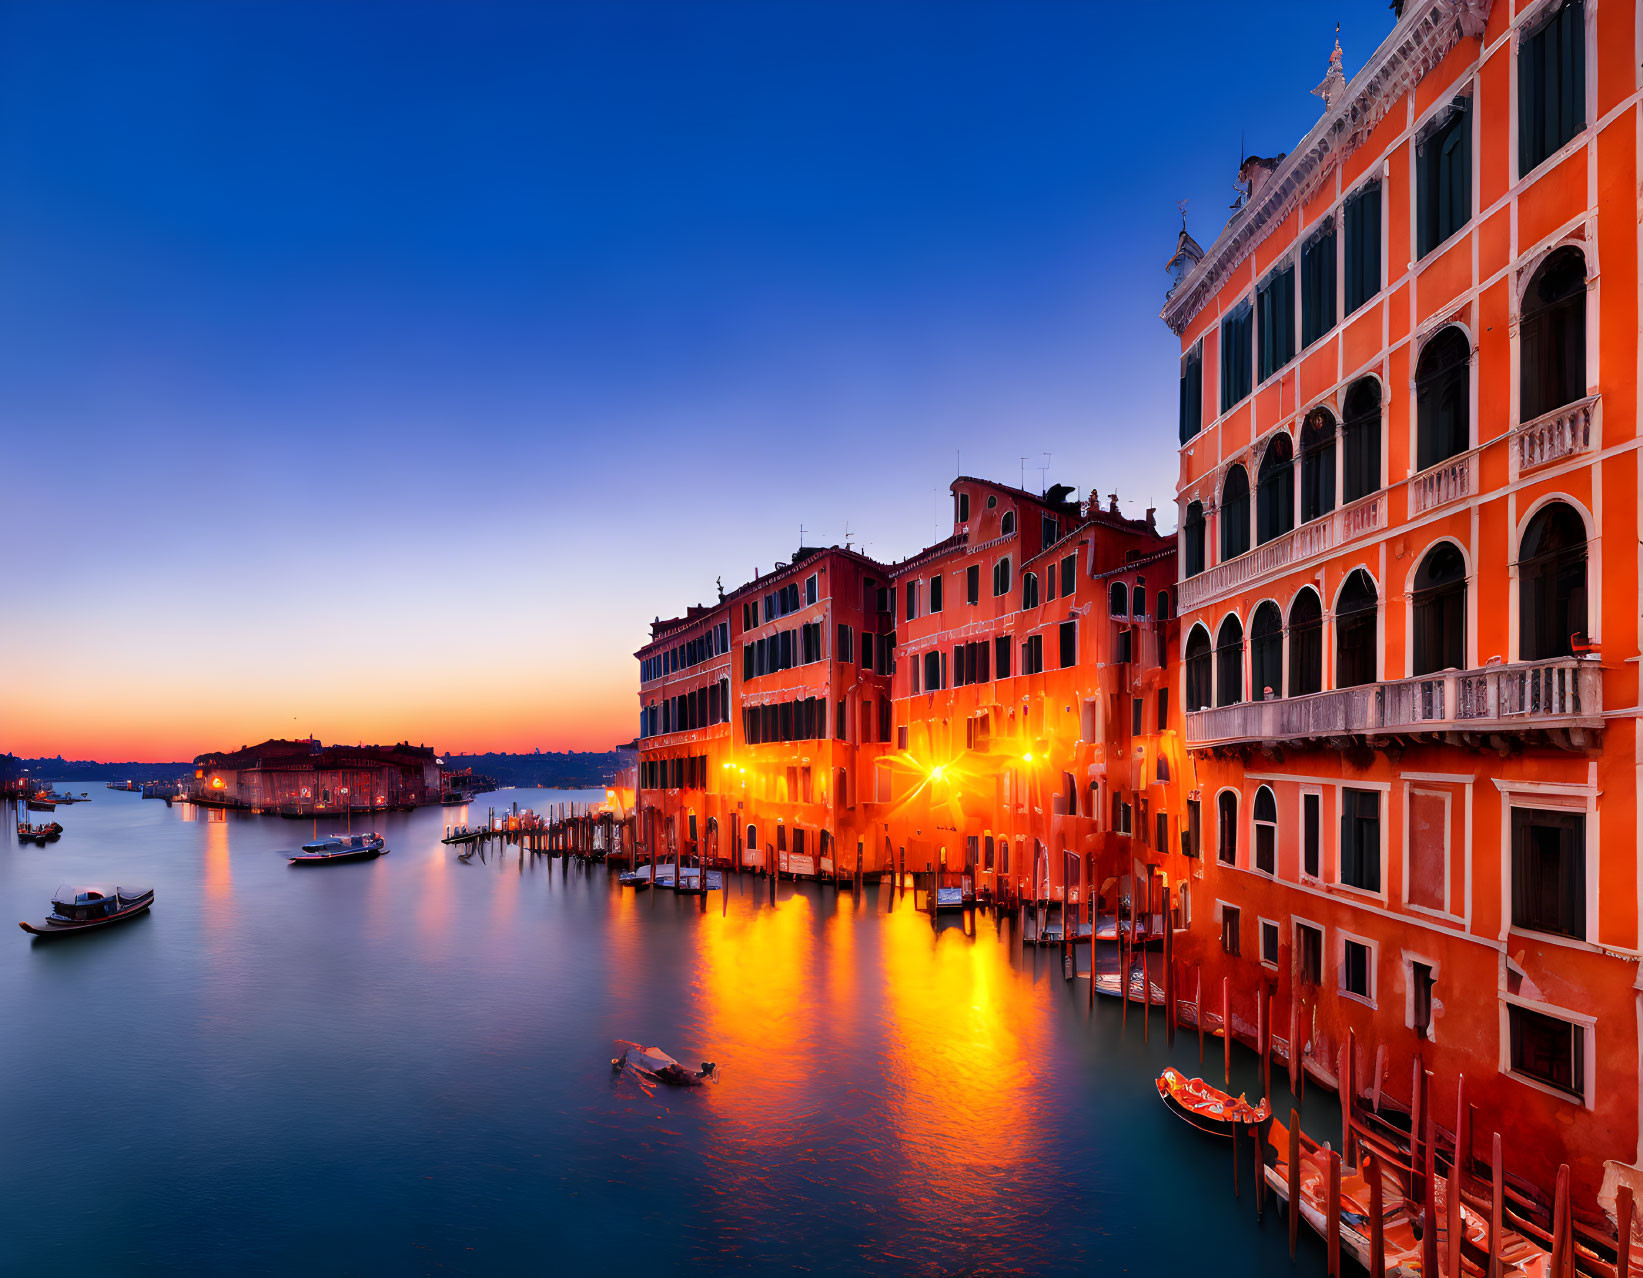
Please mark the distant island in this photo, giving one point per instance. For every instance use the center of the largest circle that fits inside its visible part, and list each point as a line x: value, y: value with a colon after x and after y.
x: 61, y: 769
x: 568, y: 769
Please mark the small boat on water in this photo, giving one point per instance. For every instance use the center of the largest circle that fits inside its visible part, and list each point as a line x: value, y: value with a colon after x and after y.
x: 79, y: 909
x: 639, y: 878
x: 340, y: 847
x: 1208, y: 1108
x: 452, y: 800
x: 690, y: 881
x: 41, y: 834
x: 41, y: 805
x: 949, y: 898
x: 659, y: 1065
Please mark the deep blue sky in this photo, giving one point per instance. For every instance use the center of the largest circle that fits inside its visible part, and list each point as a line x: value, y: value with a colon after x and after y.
x: 576, y: 302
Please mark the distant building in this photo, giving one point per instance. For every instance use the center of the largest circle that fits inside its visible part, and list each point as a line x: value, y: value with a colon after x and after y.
x: 306, y: 778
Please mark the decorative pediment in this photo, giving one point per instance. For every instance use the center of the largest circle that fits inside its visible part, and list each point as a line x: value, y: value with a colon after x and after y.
x: 1422, y: 38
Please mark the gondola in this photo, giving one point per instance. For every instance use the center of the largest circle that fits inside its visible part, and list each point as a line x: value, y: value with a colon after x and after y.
x: 41, y: 834
x: 1207, y: 1108
x: 80, y: 909
x: 339, y: 847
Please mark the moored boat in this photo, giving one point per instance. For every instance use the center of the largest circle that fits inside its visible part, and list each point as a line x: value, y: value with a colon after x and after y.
x: 41, y: 805
x: 659, y: 1065
x: 79, y: 909
x: 1208, y: 1108
x: 41, y: 834
x: 339, y: 847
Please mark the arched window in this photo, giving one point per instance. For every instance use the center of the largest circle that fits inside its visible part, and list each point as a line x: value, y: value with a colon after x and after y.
x: 1234, y: 514
x: 1551, y: 584
x: 1029, y: 590
x: 1443, y: 399
x: 1306, y: 644
x: 1226, y: 814
x: 1006, y: 525
x: 1266, y: 653
x: 1439, y: 609
x: 1317, y: 464
x: 1275, y: 491
x: 1192, y: 537
x: 1198, y: 669
x: 1118, y: 602
x: 1163, y: 605
x: 1361, y: 440
x: 1355, y: 639
x: 1229, y: 662
x: 1553, y: 363
x: 1266, y: 831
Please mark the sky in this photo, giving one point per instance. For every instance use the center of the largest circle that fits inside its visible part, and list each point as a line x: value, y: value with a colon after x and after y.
x: 379, y: 371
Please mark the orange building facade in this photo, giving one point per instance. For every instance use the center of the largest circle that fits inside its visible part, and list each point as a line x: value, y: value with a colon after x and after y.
x: 1409, y: 557
x: 1037, y: 748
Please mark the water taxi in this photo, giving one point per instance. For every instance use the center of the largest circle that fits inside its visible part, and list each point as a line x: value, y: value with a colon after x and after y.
x: 340, y: 847
x: 41, y: 834
x: 79, y: 909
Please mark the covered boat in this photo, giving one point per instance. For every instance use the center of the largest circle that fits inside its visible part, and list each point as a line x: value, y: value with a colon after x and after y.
x: 340, y: 847
x: 1208, y: 1108
x: 79, y: 909
x: 659, y: 1065
x: 41, y: 834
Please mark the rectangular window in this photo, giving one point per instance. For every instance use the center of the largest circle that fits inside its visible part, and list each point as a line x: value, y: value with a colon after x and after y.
x: 1309, y: 941
x: 1236, y: 354
x: 1032, y: 655
x: 1548, y: 1050
x: 1049, y: 582
x: 1001, y: 577
x: 866, y: 650
x: 1069, y: 643
x: 1192, y: 393
x: 1135, y: 716
x: 1311, y: 833
x: 932, y: 671
x: 1420, y: 989
x: 1318, y: 286
x: 1551, y: 85
x: 1001, y: 656
x: 1229, y: 930
x: 1361, y: 839
x: 1163, y: 711
x: 1362, y: 220
x: 972, y: 583
x: 1126, y: 645
x: 847, y: 643
x: 912, y: 600
x: 1443, y: 177
x: 1356, y: 970
x: 1068, y: 569
x: 1192, y: 838
x: 1163, y: 831
x: 810, y: 588
x: 935, y: 593
x: 1269, y: 943
x: 1275, y: 311
x: 1549, y: 871
x: 884, y: 719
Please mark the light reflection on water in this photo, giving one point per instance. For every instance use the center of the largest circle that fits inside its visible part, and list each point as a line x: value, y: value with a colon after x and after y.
x: 403, y: 1065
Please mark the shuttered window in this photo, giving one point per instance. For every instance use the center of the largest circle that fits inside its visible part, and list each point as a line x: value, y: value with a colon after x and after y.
x: 1192, y: 393
x: 1318, y: 287
x: 1443, y: 178
x: 1361, y: 839
x: 1551, y: 85
x: 1275, y: 313
x: 1236, y: 354
x: 1362, y: 225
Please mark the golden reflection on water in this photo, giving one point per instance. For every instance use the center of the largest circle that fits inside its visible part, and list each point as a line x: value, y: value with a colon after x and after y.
x: 965, y: 1098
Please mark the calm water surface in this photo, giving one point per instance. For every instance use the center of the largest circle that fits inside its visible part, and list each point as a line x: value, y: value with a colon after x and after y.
x: 403, y: 1066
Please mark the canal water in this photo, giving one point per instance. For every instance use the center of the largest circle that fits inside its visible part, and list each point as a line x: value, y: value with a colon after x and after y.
x: 403, y: 1066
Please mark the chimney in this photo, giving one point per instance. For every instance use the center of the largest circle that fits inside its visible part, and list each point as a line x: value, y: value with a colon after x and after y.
x: 1254, y: 172
x: 1152, y: 519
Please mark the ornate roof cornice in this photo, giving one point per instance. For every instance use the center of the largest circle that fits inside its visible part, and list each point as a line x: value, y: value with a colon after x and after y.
x: 1422, y: 37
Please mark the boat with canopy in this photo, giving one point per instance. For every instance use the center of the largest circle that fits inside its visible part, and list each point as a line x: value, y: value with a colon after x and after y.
x: 82, y: 908
x: 339, y: 847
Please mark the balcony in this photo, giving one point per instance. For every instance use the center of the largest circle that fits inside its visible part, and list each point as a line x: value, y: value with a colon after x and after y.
x: 1563, y: 432
x: 1311, y: 539
x: 1446, y: 482
x: 1560, y: 700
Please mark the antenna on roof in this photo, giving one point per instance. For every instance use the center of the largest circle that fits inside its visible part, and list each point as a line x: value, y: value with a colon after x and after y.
x: 958, y: 463
x: 1044, y: 475
x: 1023, y: 474
x: 847, y: 534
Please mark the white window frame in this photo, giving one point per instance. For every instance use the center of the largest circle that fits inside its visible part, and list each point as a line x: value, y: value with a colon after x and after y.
x: 1278, y: 938
x: 1551, y: 796
x: 1580, y: 1021
x: 1316, y: 791
x: 1343, y: 939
